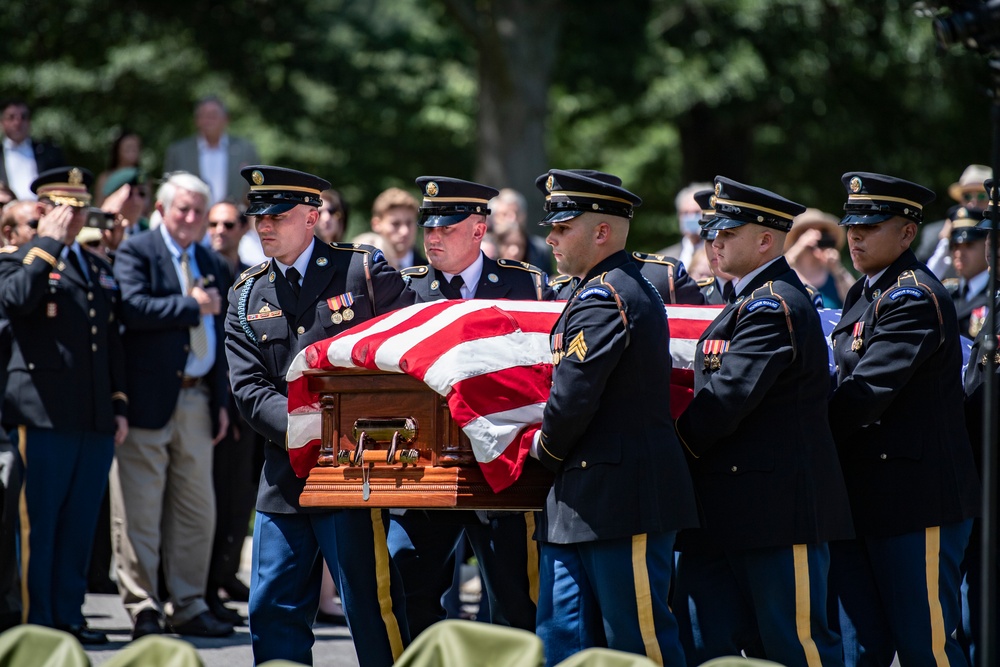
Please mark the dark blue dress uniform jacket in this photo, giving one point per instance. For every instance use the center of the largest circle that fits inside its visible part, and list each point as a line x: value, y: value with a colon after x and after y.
x: 67, y: 367
x: 606, y: 429
x: 158, y: 317
x: 897, y: 412
x: 261, y: 350
x: 501, y: 279
x: 666, y: 274
x: 974, y: 394
x: 762, y: 456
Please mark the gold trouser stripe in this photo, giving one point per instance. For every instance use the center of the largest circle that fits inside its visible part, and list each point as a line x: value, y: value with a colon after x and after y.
x: 803, y: 615
x: 932, y: 558
x: 644, y: 599
x: 383, y: 580
x: 22, y: 441
x: 532, y: 546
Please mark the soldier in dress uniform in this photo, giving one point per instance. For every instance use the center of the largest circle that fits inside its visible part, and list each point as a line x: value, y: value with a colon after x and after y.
x: 718, y: 289
x: 968, y: 254
x: 897, y: 417
x: 667, y: 274
x: 306, y: 292
x: 63, y: 307
x: 621, y: 488
x: 770, y: 489
x: 423, y: 543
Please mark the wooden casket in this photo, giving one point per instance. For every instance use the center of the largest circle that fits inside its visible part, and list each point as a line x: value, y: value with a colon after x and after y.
x: 388, y: 440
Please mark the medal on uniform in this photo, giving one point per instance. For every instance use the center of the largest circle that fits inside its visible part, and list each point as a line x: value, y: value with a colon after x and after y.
x: 976, y: 321
x: 336, y: 317
x: 713, y: 351
x: 344, y: 301
x: 557, y: 341
x: 859, y: 330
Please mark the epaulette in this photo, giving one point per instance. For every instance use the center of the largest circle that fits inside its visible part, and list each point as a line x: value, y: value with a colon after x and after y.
x: 514, y: 264
x: 559, y: 281
x: 706, y: 282
x: 414, y: 271
x: 9, y: 248
x: 654, y: 259
x: 252, y: 271
x: 376, y: 254
x: 595, y: 287
x: 814, y: 295
x: 907, y: 285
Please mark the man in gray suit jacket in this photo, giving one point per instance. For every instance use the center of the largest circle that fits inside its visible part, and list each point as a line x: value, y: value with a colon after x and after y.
x: 212, y: 154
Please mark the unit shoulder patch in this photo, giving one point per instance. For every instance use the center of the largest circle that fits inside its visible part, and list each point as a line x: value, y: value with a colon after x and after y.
x: 252, y: 271
x: 900, y: 292
x: 595, y: 292
x: 762, y: 302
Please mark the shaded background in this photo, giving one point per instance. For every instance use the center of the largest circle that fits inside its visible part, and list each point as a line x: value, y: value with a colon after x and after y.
x: 785, y: 94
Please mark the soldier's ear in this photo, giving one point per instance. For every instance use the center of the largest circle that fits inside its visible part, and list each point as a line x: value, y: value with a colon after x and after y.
x: 312, y: 217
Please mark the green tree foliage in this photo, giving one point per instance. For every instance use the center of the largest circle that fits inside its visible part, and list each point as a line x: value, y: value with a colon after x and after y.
x: 786, y: 94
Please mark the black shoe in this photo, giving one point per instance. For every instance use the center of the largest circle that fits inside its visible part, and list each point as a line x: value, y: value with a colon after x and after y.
x: 147, y: 622
x: 236, y: 590
x: 202, y: 625
x: 224, y: 613
x: 102, y: 587
x: 84, y: 635
x: 330, y: 619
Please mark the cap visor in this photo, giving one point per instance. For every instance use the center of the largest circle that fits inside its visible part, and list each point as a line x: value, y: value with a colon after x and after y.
x: 719, y: 222
x: 559, y: 216
x: 874, y: 219
x: 443, y: 220
x: 269, y: 208
x: 986, y: 223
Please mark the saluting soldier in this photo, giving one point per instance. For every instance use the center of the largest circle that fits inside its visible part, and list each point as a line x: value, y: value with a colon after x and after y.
x: 764, y: 464
x: 63, y: 305
x: 897, y: 417
x: 423, y: 543
x: 667, y: 274
x: 306, y: 292
x: 621, y: 489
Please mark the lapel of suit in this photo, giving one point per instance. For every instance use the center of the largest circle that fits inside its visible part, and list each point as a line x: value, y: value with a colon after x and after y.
x: 318, y: 275
x: 165, y: 262
x: 491, y: 289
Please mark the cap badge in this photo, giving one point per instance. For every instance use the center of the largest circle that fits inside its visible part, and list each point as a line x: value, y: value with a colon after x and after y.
x: 550, y: 182
x: 75, y: 176
x: 711, y: 201
x: 257, y: 176
x: 432, y: 189
x: 492, y: 278
x: 321, y: 261
x: 855, y: 184
x: 718, y: 189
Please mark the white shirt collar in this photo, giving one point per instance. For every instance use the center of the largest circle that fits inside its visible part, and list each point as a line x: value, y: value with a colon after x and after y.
x: 9, y: 145
x: 223, y: 143
x: 745, y: 280
x: 470, y: 275
x: 874, y: 279
x: 174, y: 247
x: 978, y: 282
x: 300, y: 264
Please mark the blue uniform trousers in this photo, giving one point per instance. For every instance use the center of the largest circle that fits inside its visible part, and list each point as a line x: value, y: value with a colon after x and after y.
x: 609, y: 593
x: 285, y: 584
x: 770, y: 603
x: 900, y: 594
x: 65, y: 475
x: 423, y: 543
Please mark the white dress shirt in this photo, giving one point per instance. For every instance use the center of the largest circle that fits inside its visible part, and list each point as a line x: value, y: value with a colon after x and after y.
x: 19, y: 161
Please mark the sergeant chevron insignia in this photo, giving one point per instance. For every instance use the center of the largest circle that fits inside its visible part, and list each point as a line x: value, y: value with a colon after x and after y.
x: 577, y: 346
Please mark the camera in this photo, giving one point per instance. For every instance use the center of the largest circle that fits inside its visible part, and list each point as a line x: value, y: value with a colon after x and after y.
x: 826, y: 241
x: 99, y: 219
x: 973, y: 23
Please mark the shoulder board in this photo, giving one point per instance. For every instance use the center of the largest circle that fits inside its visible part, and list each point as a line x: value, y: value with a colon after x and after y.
x: 415, y: 271
x: 9, y: 248
x: 376, y: 254
x: 655, y: 259
x: 814, y: 294
x: 514, y: 264
x: 252, y: 271
x: 559, y: 281
x: 706, y: 282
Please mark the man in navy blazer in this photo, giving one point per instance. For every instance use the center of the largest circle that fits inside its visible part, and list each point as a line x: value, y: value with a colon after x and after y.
x: 162, y: 498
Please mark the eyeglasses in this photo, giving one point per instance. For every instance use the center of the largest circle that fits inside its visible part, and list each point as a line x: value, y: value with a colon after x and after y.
x: 228, y: 224
x: 975, y: 196
x: 93, y: 244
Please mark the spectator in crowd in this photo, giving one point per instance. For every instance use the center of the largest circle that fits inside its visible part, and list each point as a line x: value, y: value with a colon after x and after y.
x: 161, y: 486
x: 394, y: 218
x: 935, y: 239
x: 18, y: 223
x: 126, y: 151
x: 509, y: 209
x: 6, y: 194
x: 23, y: 157
x: 812, y: 248
x: 62, y: 306
x: 212, y: 154
x: 688, y: 216
x: 238, y: 458
x: 332, y: 217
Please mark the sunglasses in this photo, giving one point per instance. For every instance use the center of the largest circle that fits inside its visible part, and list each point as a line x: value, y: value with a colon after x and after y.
x: 975, y: 196
x: 93, y: 244
x: 228, y: 224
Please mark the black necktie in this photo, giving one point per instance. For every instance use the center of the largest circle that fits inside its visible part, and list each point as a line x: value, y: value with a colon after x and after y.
x: 292, y: 276
x: 963, y: 293
x: 74, y: 261
x: 727, y: 292
x: 454, y: 290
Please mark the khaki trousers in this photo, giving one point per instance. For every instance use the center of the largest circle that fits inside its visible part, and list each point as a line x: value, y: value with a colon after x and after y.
x: 162, y: 503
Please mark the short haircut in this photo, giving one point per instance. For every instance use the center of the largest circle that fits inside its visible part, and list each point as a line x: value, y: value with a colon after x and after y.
x: 212, y: 99
x: 689, y: 191
x: 240, y: 215
x: 512, y: 196
x: 14, y: 102
x: 181, y: 180
x: 393, y: 198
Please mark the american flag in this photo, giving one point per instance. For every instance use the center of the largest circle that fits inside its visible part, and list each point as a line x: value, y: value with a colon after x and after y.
x: 490, y: 359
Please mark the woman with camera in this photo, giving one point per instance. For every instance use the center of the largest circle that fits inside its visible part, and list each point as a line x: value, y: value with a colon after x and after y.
x: 812, y: 248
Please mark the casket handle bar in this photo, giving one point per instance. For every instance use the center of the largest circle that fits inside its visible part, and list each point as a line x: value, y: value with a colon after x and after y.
x: 370, y: 433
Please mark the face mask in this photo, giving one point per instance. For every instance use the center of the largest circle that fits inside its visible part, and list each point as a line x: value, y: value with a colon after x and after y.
x: 689, y: 223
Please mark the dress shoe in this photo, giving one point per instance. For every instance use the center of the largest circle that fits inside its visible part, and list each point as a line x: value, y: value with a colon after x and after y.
x: 236, y: 590
x: 84, y: 635
x: 330, y: 619
x: 224, y: 613
x: 202, y: 625
x: 147, y: 622
x: 102, y: 587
